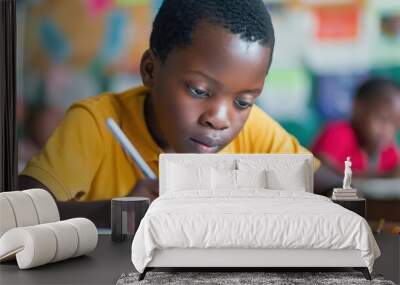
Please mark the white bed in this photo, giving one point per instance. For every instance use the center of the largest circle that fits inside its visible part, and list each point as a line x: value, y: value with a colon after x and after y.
x: 201, y: 223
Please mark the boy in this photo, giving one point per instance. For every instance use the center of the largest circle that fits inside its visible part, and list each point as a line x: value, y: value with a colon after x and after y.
x: 369, y: 138
x: 206, y: 66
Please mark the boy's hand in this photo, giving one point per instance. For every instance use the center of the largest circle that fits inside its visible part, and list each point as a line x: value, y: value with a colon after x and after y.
x: 146, y: 188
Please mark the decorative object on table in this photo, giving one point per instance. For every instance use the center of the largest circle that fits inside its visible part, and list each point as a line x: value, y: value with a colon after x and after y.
x: 347, y: 192
x: 347, y: 174
x: 126, y: 214
x: 31, y: 231
x: 244, y: 278
x: 357, y: 205
x: 37, y: 245
x: 26, y: 208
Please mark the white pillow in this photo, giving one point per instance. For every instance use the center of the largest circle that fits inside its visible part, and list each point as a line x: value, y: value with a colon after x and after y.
x: 251, y: 178
x: 223, y: 179
x: 290, y: 179
x: 280, y: 174
x: 181, y: 178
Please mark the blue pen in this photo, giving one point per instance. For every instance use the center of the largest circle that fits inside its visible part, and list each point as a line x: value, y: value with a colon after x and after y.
x: 130, y: 149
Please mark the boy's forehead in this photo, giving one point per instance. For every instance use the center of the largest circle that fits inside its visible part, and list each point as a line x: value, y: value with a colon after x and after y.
x: 216, y: 50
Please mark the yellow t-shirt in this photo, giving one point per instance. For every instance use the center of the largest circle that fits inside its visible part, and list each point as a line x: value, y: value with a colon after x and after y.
x: 82, y: 158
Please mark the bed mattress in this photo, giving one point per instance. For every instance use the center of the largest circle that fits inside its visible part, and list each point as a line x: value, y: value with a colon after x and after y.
x: 250, y: 219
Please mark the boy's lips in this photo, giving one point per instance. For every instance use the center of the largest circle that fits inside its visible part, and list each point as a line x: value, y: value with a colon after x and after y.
x: 204, y: 144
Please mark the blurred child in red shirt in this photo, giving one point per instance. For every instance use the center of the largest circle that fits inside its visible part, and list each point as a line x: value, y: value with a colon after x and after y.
x: 369, y: 138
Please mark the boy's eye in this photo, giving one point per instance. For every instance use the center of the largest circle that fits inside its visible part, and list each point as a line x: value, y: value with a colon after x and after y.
x: 241, y: 104
x: 198, y: 92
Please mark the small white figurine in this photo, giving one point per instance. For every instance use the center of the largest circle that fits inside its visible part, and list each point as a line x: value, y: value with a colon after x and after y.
x: 347, y: 174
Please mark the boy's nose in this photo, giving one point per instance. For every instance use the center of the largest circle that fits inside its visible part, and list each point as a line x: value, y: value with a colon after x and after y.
x: 216, y: 118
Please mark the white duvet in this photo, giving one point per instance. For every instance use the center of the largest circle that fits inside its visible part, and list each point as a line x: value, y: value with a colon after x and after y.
x: 252, y: 218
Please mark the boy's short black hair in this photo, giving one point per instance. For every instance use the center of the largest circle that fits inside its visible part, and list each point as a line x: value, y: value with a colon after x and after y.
x: 374, y: 88
x: 177, y: 19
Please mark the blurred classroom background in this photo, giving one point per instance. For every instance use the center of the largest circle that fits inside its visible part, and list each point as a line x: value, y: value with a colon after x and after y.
x: 72, y: 49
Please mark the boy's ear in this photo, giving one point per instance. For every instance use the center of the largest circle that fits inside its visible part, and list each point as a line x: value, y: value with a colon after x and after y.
x: 148, y: 68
